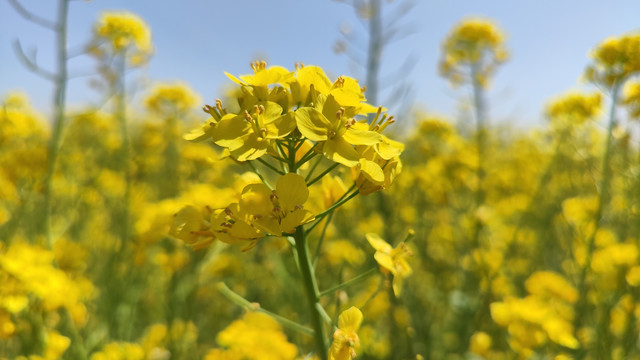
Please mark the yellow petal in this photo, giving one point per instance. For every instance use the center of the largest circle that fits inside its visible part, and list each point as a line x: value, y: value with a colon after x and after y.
x: 372, y: 171
x: 188, y: 220
x: 256, y: 200
x: 340, y: 151
x: 388, y: 149
x: 350, y: 320
x: 385, y: 261
x: 362, y: 137
x: 312, y: 124
x: 378, y: 243
x: 230, y: 131
x: 292, y: 191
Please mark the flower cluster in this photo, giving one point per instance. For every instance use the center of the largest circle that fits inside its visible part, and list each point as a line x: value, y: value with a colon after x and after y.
x: 122, y: 33
x: 167, y: 98
x: 473, y: 42
x: 289, y: 117
x: 546, y: 314
x: 575, y: 107
x: 614, y: 59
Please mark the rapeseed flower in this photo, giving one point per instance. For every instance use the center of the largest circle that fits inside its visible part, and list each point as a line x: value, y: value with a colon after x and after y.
x: 614, y: 60
x: 278, y: 211
x: 391, y: 260
x: 122, y: 33
x: 345, y: 339
x: 473, y: 42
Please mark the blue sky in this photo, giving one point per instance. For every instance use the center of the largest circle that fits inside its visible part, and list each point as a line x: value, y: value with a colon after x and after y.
x: 197, y: 40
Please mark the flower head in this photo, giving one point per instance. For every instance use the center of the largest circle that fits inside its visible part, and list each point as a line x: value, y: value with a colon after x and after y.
x: 614, y: 59
x: 472, y: 42
x: 122, y: 33
x: 345, y: 339
x: 391, y: 260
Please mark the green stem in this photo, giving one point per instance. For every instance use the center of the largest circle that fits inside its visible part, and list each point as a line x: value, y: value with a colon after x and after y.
x: 316, y: 255
x: 126, y: 146
x: 255, y: 170
x: 244, y: 303
x: 270, y: 166
x: 328, y: 170
x: 311, y: 292
x: 313, y: 168
x: 58, y: 123
x: 582, y: 303
x: 330, y: 209
x: 348, y: 283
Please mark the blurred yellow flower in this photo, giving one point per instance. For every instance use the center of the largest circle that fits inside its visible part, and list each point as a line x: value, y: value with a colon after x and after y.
x: 392, y: 260
x: 473, y: 42
x: 614, y: 59
x: 255, y: 336
x: 631, y: 98
x: 345, y: 339
x: 171, y: 98
x: 125, y: 34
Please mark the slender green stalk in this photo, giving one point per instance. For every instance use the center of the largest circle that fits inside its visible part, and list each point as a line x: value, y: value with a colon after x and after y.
x: 350, y: 282
x: 330, y: 209
x: 125, y: 156
x: 328, y: 170
x: 58, y: 122
x: 240, y: 301
x: 255, y: 170
x: 316, y: 255
x: 313, y: 168
x: 270, y: 166
x: 581, y: 305
x: 311, y: 292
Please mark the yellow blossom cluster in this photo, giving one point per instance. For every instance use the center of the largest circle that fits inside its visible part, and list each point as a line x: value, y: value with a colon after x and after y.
x: 615, y: 59
x: 546, y: 314
x: 472, y: 51
x: 254, y: 336
x: 122, y: 33
x: 169, y: 98
x: 575, y: 107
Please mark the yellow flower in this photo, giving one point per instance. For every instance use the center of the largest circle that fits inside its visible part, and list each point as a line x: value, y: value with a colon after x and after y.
x: 255, y: 336
x: 615, y: 59
x: 472, y: 42
x: 280, y: 210
x: 329, y: 122
x: 170, y: 98
x: 345, y: 339
x: 575, y: 107
x: 125, y: 33
x: 393, y: 260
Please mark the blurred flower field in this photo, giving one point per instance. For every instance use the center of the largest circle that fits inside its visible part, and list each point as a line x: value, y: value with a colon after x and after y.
x: 292, y: 219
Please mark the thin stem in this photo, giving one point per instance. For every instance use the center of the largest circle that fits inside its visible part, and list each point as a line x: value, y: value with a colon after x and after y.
x: 348, y: 283
x: 270, y: 166
x: 313, y: 168
x: 58, y: 122
x: 255, y: 170
x: 125, y: 158
x: 34, y: 18
x: 328, y: 170
x: 240, y: 301
x: 316, y: 255
x: 602, y: 199
x: 311, y: 292
x: 331, y: 208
